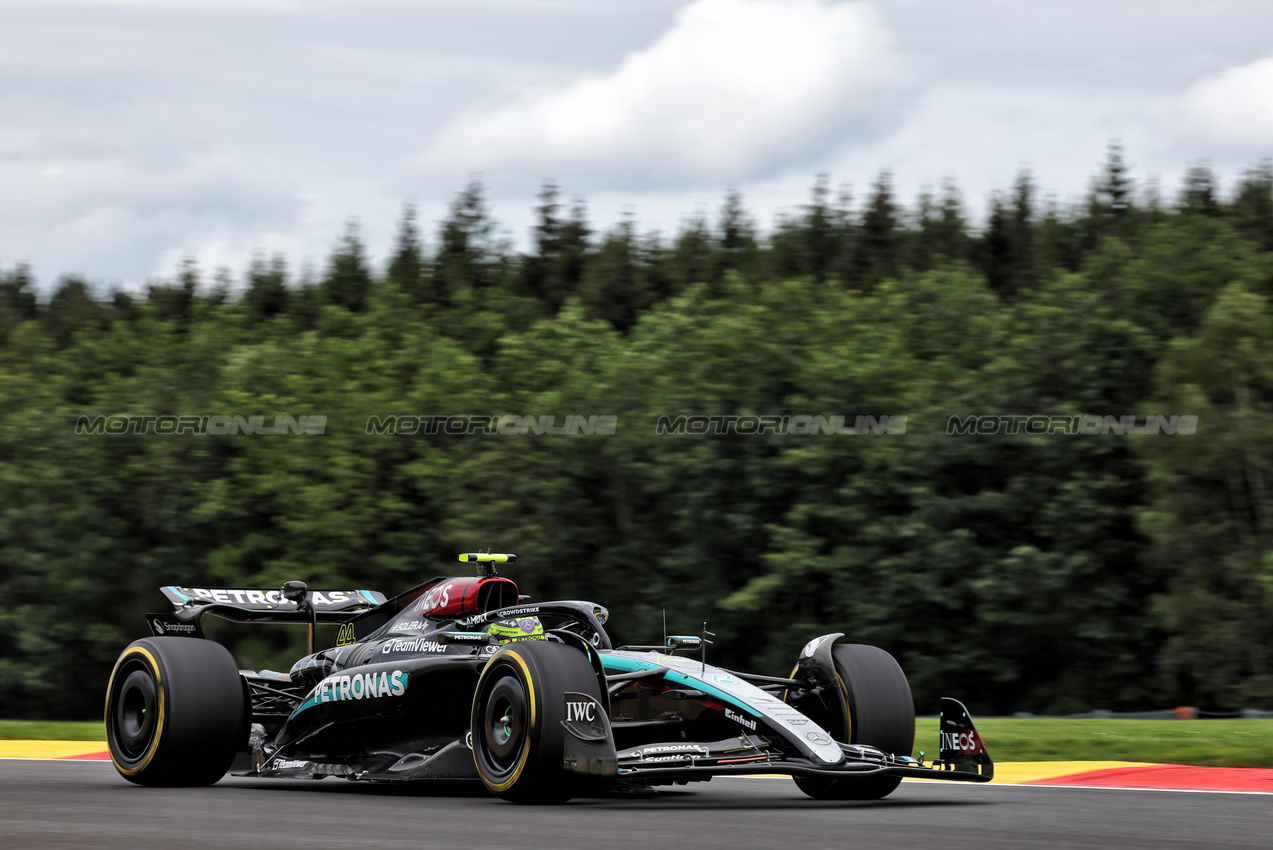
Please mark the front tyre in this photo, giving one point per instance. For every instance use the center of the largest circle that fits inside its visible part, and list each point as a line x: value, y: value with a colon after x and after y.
x: 881, y: 714
x: 517, y: 720
x: 175, y: 712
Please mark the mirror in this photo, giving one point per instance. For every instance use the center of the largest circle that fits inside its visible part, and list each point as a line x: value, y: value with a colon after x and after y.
x: 296, y: 591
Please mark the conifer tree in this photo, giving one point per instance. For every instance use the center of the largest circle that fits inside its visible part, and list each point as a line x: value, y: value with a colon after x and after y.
x: 943, y: 229
x: 407, y: 267
x: 266, y: 295
x: 1200, y: 195
x: 876, y: 253
x: 72, y: 309
x: 348, y: 280
x: 468, y: 255
x: 614, y: 289
x: 736, y: 236
x: 17, y: 300
x: 694, y: 255
x: 1252, y: 208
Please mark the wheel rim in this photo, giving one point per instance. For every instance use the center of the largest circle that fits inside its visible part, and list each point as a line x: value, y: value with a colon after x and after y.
x: 504, y: 725
x: 135, y: 713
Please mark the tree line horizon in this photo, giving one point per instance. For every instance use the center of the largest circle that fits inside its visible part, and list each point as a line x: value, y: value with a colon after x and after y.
x: 942, y: 210
x: 1052, y: 573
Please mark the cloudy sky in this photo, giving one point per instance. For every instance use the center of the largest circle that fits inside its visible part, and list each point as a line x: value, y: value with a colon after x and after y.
x: 134, y: 133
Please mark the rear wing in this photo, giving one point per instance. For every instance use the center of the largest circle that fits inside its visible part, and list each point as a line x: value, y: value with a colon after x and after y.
x: 255, y: 605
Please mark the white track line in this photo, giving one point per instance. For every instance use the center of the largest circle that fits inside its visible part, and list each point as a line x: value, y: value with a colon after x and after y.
x: 932, y: 783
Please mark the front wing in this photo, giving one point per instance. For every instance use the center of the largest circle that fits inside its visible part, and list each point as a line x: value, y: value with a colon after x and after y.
x: 777, y: 739
x: 749, y: 755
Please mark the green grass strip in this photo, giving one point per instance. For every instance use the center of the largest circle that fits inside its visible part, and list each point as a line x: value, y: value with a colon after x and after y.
x: 1219, y: 743
x: 1216, y: 743
x: 51, y: 730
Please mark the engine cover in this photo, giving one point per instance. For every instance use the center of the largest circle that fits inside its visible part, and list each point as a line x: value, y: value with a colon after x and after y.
x: 462, y: 597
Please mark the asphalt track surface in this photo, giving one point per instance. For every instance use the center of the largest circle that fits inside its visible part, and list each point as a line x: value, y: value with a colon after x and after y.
x: 53, y: 804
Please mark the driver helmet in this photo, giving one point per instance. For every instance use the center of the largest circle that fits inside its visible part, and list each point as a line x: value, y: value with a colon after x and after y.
x: 519, y: 628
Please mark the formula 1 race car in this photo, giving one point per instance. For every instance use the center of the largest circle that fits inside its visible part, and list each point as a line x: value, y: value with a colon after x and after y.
x: 464, y: 679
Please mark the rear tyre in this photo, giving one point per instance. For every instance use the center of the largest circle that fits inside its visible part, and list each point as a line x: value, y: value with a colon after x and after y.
x: 517, y: 720
x: 175, y: 712
x: 881, y: 714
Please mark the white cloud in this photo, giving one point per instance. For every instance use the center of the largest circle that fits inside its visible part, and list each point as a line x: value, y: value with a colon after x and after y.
x: 134, y: 133
x: 735, y: 89
x: 182, y: 4
x: 112, y: 221
x: 1235, y: 108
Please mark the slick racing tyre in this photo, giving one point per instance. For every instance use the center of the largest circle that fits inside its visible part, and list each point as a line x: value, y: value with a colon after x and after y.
x: 881, y: 714
x: 175, y: 712
x: 517, y: 721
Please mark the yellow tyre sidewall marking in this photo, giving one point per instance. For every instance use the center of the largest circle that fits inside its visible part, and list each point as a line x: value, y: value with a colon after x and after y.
x: 848, y: 715
x: 159, y: 725
x: 787, y: 691
x: 530, y: 688
x: 848, y: 720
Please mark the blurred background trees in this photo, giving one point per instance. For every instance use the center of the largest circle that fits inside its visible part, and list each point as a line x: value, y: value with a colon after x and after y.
x: 1041, y: 573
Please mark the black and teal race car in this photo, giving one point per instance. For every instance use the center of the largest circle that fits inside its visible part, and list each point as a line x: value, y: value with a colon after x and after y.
x: 462, y: 678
